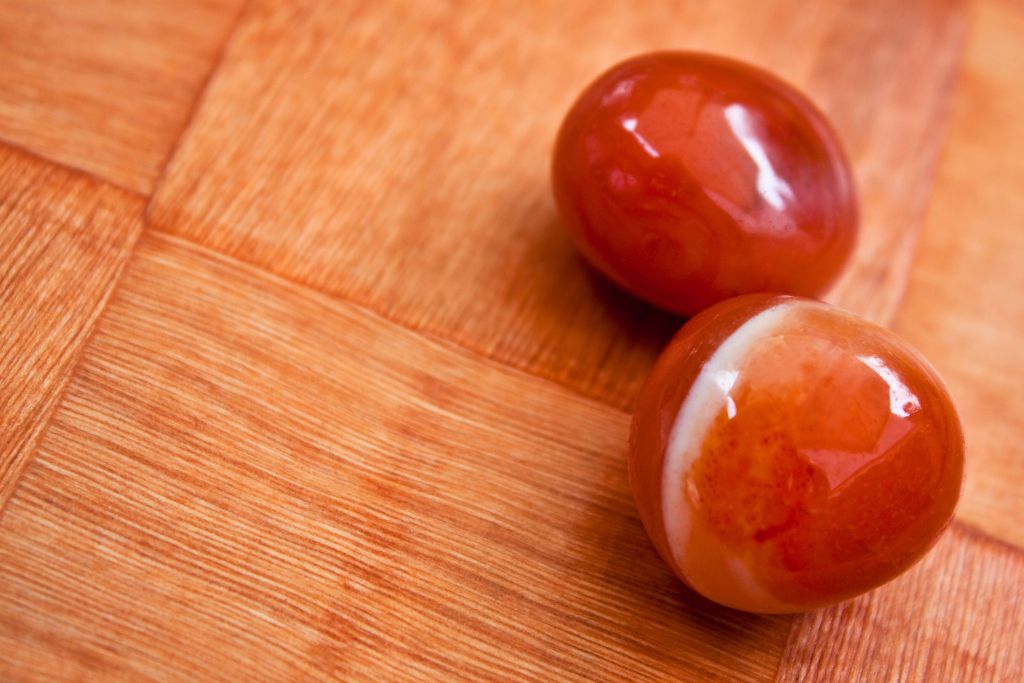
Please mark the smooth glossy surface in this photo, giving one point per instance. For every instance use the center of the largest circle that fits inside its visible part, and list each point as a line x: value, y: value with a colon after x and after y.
x: 786, y: 454
x: 689, y: 178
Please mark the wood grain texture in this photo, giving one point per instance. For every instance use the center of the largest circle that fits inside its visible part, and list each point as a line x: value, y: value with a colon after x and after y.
x: 256, y: 482
x: 957, y: 616
x: 63, y: 240
x: 247, y: 479
x: 106, y: 85
x: 965, y: 306
x: 396, y: 154
x: 886, y: 77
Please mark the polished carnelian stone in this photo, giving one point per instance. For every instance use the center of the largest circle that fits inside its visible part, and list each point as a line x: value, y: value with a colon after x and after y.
x: 689, y: 178
x: 786, y: 454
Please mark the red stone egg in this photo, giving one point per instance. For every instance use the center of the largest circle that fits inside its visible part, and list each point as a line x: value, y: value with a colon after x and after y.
x: 689, y: 178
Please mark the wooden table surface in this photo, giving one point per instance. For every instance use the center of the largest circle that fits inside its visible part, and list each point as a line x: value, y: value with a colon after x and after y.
x: 300, y: 378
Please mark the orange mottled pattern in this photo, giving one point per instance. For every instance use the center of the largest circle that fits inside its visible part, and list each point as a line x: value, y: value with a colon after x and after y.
x: 659, y: 403
x: 831, y: 465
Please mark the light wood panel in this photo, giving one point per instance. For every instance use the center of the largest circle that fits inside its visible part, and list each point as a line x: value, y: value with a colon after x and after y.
x: 886, y: 76
x: 396, y: 154
x: 63, y: 240
x: 246, y: 480
x: 958, y: 616
x: 106, y: 85
x: 965, y: 306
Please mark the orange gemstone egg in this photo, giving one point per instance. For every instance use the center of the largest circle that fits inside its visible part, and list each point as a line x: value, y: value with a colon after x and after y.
x: 786, y: 454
